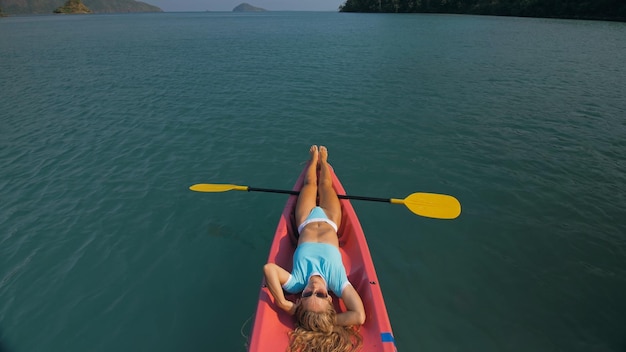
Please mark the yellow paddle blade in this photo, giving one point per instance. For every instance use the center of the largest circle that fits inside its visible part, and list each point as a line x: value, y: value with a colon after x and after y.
x: 210, y: 187
x: 431, y: 205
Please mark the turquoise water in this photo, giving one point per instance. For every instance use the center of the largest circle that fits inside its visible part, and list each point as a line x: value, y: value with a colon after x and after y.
x: 106, y: 120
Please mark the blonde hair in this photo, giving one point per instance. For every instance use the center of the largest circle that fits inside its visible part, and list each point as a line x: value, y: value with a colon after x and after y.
x: 316, y: 332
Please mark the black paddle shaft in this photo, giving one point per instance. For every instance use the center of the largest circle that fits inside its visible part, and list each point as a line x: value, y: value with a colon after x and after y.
x: 341, y: 196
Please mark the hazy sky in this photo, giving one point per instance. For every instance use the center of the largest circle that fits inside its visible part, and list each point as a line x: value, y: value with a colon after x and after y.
x: 228, y: 5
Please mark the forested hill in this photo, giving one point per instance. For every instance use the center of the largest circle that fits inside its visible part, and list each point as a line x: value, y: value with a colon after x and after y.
x: 582, y: 9
x: 22, y: 7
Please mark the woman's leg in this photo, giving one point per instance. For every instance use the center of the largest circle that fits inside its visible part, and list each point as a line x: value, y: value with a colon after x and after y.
x: 308, y: 194
x: 328, y: 197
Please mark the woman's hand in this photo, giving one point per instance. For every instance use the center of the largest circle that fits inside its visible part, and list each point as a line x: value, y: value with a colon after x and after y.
x: 289, y: 306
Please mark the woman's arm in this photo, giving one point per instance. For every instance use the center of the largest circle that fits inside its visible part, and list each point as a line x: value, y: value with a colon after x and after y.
x: 275, y: 278
x: 356, y: 313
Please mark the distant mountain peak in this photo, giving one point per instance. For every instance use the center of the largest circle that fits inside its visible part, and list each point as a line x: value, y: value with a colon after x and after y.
x: 245, y: 7
x: 26, y: 7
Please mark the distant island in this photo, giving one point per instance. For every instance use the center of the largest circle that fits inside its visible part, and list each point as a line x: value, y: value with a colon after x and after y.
x: 614, y: 10
x: 73, y: 7
x: 245, y: 7
x: 42, y: 7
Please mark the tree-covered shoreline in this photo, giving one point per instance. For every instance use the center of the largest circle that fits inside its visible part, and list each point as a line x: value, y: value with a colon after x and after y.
x: 575, y: 9
x: 73, y: 7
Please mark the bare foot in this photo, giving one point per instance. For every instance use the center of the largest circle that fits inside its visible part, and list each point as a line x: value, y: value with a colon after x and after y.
x: 323, y: 154
x: 314, y: 154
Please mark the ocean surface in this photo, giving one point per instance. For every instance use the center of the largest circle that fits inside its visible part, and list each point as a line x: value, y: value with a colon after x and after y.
x: 106, y: 120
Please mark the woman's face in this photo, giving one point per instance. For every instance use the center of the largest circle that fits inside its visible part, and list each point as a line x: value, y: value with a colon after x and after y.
x: 315, y: 296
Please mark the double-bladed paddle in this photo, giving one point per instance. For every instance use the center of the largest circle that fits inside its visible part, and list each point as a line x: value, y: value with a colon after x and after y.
x: 430, y: 205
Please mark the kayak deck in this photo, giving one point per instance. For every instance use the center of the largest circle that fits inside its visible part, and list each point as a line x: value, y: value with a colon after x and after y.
x: 272, y: 325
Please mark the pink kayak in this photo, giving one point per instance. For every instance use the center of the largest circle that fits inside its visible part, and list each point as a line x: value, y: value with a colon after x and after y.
x: 272, y: 325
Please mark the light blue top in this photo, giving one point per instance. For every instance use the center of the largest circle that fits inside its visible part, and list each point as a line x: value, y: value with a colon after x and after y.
x: 312, y: 258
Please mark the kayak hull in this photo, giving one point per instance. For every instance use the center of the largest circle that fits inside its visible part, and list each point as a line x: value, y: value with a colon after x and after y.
x: 272, y: 325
